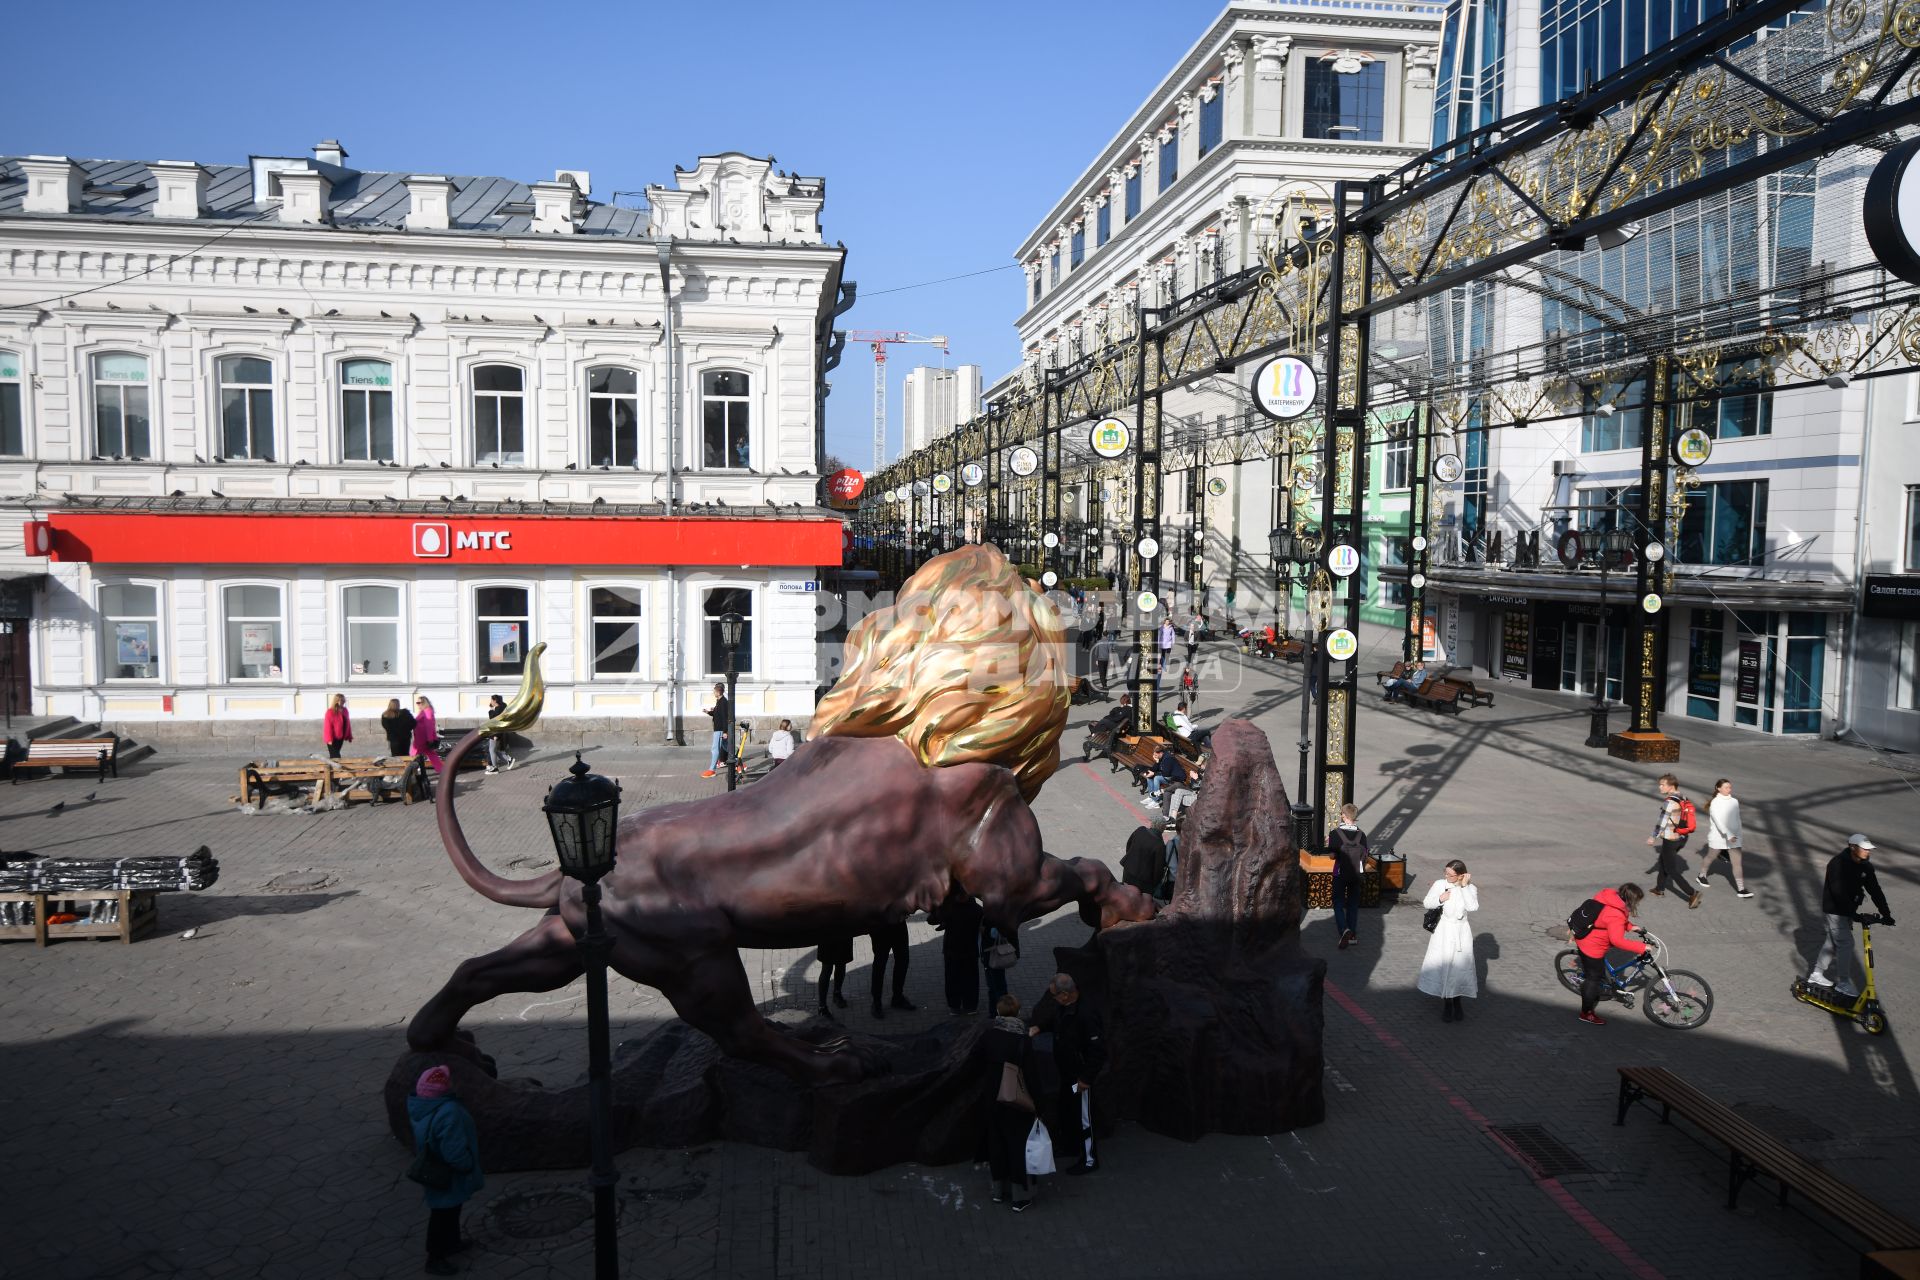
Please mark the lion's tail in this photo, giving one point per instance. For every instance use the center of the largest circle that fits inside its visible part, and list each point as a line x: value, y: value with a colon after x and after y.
x: 541, y: 891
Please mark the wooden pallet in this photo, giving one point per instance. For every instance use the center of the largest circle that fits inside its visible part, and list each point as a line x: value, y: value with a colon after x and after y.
x: 139, y: 915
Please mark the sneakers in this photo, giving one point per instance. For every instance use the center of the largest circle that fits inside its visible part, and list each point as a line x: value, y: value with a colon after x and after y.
x: 1593, y: 1019
x: 710, y: 773
x: 1702, y: 882
x: 1089, y: 1166
x: 1346, y: 939
x: 491, y: 769
x: 511, y: 761
x: 1818, y: 979
x: 1741, y: 891
x: 1021, y: 1206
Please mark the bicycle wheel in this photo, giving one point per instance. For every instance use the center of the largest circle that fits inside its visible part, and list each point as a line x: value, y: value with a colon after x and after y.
x: 1690, y: 1005
x: 1567, y: 966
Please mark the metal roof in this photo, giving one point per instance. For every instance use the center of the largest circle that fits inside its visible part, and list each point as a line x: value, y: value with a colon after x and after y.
x: 185, y: 504
x: 125, y: 189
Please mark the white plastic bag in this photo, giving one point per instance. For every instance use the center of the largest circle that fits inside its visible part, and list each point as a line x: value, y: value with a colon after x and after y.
x: 1039, y: 1150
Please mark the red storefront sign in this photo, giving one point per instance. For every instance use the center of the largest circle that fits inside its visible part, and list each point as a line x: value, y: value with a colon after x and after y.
x: 844, y: 487
x: 127, y: 538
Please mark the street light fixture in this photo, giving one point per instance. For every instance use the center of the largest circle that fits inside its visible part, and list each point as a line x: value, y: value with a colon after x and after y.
x: 1281, y: 544
x: 732, y: 626
x: 583, y: 811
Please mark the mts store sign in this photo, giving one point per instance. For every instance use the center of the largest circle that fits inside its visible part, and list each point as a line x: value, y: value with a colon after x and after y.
x: 441, y: 541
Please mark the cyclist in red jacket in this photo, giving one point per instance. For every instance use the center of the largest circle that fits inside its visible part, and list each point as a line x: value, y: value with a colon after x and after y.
x: 1611, y: 931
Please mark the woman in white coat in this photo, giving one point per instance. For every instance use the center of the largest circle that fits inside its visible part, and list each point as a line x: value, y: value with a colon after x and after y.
x: 1447, y: 971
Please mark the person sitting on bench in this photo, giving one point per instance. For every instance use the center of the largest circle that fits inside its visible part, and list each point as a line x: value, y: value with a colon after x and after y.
x: 1166, y: 768
x: 1409, y: 681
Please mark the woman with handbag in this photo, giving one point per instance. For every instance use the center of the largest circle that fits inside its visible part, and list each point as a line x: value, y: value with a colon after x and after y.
x: 1447, y: 971
x: 1009, y: 1109
x: 999, y: 952
x: 446, y: 1164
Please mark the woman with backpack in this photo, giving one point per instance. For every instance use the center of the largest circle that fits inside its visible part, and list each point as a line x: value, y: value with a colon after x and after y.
x: 446, y: 1164
x: 1447, y: 970
x: 1607, y: 930
x: 1350, y: 854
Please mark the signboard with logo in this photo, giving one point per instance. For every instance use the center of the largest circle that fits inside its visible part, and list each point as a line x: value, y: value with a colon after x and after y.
x: 1217, y: 487
x: 1343, y: 560
x: 1892, y: 211
x: 1516, y: 643
x: 1891, y: 595
x: 1109, y: 437
x: 1746, y: 686
x: 844, y: 487
x: 1023, y: 461
x: 1692, y: 447
x: 1285, y: 387
x: 1447, y: 468
x: 1341, y: 644
x: 942, y: 482
x: 789, y: 587
x: 973, y: 475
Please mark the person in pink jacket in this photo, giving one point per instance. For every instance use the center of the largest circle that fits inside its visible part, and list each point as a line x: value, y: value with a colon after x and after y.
x: 336, y: 727
x: 426, y: 734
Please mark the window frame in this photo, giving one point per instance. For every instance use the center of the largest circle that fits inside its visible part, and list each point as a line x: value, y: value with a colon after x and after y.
x: 1103, y: 223
x: 341, y: 393
x: 226, y: 652
x: 1913, y: 529
x: 590, y: 650
x: 747, y: 400
x: 157, y: 636
x: 1905, y: 692
x: 1135, y: 193
x: 400, y: 674
x: 95, y: 384
x: 1167, y: 161
x: 1705, y: 498
x: 270, y: 388
x: 477, y: 620
x: 590, y: 398
x: 1212, y: 121
x: 1076, y: 248
x: 1397, y: 450
x: 525, y: 397
x: 18, y: 383
x: 1374, y: 72
x: 712, y: 653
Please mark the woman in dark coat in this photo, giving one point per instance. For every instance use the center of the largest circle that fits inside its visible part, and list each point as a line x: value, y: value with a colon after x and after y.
x: 397, y: 723
x: 835, y: 955
x: 960, y: 951
x: 1007, y: 1123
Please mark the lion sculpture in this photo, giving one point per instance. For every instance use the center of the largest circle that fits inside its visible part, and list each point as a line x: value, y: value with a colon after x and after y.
x: 914, y: 789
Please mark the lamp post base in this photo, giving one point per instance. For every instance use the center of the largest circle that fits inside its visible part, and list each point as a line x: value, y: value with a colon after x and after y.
x: 1300, y: 824
x: 1597, y: 730
x: 1644, y: 748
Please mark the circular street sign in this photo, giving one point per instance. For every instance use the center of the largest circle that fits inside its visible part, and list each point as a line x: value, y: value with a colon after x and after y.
x: 1146, y: 602
x: 942, y: 482
x: 1341, y: 645
x: 1023, y: 461
x: 1217, y: 487
x: 921, y: 488
x: 1447, y: 468
x: 1285, y: 387
x: 1654, y: 553
x: 1892, y: 211
x: 1343, y: 560
x: 1109, y: 437
x: 1050, y: 540
x: 1692, y: 447
x: 846, y: 485
x: 1420, y: 543
x: 973, y: 474
x: 1418, y: 581
x: 1049, y: 578
x: 1650, y: 602
x: 1148, y: 549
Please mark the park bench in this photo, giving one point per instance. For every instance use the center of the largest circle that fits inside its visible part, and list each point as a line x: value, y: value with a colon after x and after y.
x: 1752, y: 1151
x: 96, y: 755
x: 1468, y: 693
x: 373, y: 778
x: 1437, y: 694
x: 1397, y: 671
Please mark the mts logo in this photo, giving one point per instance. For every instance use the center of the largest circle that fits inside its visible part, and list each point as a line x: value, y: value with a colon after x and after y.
x: 436, y: 540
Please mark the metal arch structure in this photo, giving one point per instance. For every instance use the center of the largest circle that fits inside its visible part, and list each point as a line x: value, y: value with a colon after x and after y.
x: 1749, y: 94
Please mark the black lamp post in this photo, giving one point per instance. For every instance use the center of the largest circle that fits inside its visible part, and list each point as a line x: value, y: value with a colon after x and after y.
x: 1614, y: 543
x: 1319, y: 613
x: 1281, y: 543
x: 731, y: 627
x: 583, y: 811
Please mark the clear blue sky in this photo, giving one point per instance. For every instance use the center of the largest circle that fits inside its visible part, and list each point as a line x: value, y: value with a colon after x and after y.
x: 945, y: 132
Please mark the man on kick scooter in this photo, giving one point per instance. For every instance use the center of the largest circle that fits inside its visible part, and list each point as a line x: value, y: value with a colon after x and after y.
x: 1850, y: 879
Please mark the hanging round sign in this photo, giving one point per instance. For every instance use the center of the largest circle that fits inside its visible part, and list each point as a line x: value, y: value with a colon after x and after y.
x: 1447, y: 468
x: 1109, y: 437
x: 1650, y: 602
x: 1285, y: 387
x: 1418, y: 581
x: 1692, y: 447
x: 1050, y: 540
x: 1892, y: 211
x: 1146, y: 602
x: 1148, y: 549
x: 1343, y: 560
x: 973, y: 474
x: 942, y: 482
x: 845, y: 485
x: 1217, y: 487
x: 921, y: 488
x: 1023, y: 461
x: 1049, y: 578
x: 1654, y: 553
x: 1341, y: 645
x: 1420, y: 543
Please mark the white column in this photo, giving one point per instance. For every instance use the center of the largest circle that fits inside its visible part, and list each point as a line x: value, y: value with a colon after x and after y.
x: 1269, y: 84
x: 1416, y: 97
x: 1236, y: 117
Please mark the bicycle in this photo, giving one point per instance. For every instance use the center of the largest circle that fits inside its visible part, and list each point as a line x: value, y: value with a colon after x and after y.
x: 1864, y: 1008
x: 1677, y: 999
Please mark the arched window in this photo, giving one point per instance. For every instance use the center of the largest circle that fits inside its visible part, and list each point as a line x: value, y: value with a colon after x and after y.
x: 122, y: 422
x: 725, y: 415
x: 13, y: 424
x: 499, y: 414
x: 366, y: 411
x: 613, y: 417
x: 246, y: 408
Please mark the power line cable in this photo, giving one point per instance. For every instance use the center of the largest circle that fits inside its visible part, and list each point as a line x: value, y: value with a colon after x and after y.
x: 924, y: 284
x: 145, y: 271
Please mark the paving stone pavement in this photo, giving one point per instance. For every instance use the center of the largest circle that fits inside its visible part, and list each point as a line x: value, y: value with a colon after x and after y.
x: 210, y: 1106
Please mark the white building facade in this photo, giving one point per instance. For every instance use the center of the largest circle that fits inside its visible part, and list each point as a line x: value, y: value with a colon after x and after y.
x: 937, y: 401
x: 284, y: 428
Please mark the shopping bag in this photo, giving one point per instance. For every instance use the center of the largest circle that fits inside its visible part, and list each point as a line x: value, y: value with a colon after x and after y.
x: 1039, y: 1150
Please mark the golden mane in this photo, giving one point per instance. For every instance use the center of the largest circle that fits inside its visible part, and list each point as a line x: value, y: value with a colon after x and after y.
x: 966, y: 666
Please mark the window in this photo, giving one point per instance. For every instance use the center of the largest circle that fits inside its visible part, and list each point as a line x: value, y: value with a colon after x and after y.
x: 616, y: 630
x: 501, y: 616
x: 725, y: 414
x: 1906, y: 680
x: 1211, y: 118
x: 1133, y: 195
x: 1053, y: 269
x: 499, y: 414
x: 130, y: 626
x: 122, y: 425
x: 1036, y: 283
x: 1703, y: 665
x: 246, y: 408
x: 1733, y: 417
x: 13, y: 432
x: 366, y: 411
x: 373, y: 631
x: 1077, y: 249
x: 1613, y: 506
x: 1623, y: 427
x: 1170, y: 159
x: 724, y: 600
x: 1349, y: 105
x: 253, y: 630
x: 1913, y: 528
x: 1398, y: 473
x: 1725, y: 523
x: 1393, y: 595
x: 1103, y: 224
x: 1800, y: 699
x: 613, y: 417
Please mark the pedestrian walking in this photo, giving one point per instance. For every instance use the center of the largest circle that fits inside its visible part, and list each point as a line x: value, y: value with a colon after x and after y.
x: 835, y: 954
x: 1447, y: 970
x: 1610, y: 932
x: 1195, y: 624
x: 1166, y: 639
x: 426, y: 732
x: 1232, y: 595
x: 780, y: 745
x: 446, y: 1164
x: 497, y: 757
x: 1350, y: 854
x: 960, y: 918
x: 1670, y: 832
x: 397, y: 723
x: 1189, y: 686
x: 1103, y: 659
x: 1850, y: 880
x: 890, y: 939
x: 336, y: 726
x: 1010, y: 1105
x: 721, y: 713
x: 1723, y: 837
x: 1079, y: 1051
x: 999, y: 952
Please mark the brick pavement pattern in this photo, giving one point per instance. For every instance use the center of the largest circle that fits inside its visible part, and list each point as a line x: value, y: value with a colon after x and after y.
x: 210, y: 1106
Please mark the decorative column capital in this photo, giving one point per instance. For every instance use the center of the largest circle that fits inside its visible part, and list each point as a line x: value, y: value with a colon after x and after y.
x: 1271, y: 49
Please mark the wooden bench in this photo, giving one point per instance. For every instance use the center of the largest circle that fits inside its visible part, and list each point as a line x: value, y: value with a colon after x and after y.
x: 1397, y: 671
x: 96, y: 755
x: 357, y: 779
x: 1437, y: 695
x: 134, y: 913
x: 1135, y: 754
x: 1753, y: 1151
x: 1468, y: 694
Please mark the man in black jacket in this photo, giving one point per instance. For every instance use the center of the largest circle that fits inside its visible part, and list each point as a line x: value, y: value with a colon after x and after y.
x: 1079, y: 1052
x: 1850, y: 879
x: 890, y: 940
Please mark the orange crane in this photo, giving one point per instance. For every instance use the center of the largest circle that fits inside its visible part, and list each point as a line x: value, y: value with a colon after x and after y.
x: 879, y: 340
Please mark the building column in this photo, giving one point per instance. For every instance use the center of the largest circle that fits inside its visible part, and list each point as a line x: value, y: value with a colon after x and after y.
x: 1269, y: 84
x: 1187, y: 116
x: 1236, y: 116
x: 1416, y: 95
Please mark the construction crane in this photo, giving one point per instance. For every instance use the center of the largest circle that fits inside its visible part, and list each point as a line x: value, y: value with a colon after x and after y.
x: 879, y: 340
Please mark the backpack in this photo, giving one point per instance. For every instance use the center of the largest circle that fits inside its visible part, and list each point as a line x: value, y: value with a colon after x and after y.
x: 1585, y: 918
x: 1688, y: 819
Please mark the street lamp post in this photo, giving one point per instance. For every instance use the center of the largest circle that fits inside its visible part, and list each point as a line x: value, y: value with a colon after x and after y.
x: 1280, y: 544
x: 731, y: 626
x: 583, y: 812
x: 1319, y: 614
x: 1613, y: 544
